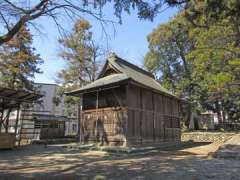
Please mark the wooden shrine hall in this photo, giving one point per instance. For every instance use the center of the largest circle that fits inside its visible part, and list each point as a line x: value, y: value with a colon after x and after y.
x: 127, y: 106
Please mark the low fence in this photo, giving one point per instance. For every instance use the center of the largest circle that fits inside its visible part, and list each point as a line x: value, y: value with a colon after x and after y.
x: 216, y: 137
x: 228, y: 126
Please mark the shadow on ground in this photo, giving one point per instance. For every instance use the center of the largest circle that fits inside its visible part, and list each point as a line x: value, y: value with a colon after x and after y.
x: 38, y: 162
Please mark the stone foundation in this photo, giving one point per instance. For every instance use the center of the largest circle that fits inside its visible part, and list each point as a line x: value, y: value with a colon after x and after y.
x: 217, y: 137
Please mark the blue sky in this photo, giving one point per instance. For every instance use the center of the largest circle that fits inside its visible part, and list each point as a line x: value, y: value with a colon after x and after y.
x: 128, y: 40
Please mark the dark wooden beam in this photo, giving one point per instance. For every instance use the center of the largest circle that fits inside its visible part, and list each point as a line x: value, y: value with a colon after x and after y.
x: 1, y: 119
x: 17, y: 119
x: 127, y: 105
x: 79, y: 123
x: 6, y: 119
x: 24, y: 97
x: 14, y: 99
x: 141, y: 114
x: 153, y: 107
x: 11, y: 94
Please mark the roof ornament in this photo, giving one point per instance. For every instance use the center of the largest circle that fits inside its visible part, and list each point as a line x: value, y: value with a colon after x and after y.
x: 112, y: 55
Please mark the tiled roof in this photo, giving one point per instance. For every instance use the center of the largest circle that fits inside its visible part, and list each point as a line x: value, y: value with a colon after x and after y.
x: 125, y: 70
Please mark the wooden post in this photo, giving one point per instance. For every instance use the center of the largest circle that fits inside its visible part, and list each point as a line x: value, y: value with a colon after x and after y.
x: 127, y: 119
x: 1, y: 119
x: 163, y: 99
x: 141, y: 114
x: 48, y: 127
x: 17, y: 119
x: 179, y: 114
x: 80, y: 120
x: 97, y: 113
x: 7, y: 119
x: 79, y: 123
x: 153, y: 107
x: 21, y: 127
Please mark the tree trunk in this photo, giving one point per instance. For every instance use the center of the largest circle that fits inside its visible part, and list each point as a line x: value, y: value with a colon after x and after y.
x: 188, y: 115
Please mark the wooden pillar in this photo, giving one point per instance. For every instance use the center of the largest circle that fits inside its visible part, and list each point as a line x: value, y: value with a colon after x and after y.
x: 64, y: 127
x: 163, y: 116
x: 97, y: 114
x: 17, y: 120
x: 79, y: 122
x: 141, y: 114
x: 153, y: 110
x: 97, y: 105
x: 127, y: 105
x: 7, y: 120
x: 21, y: 127
x: 179, y: 113
x: 1, y: 119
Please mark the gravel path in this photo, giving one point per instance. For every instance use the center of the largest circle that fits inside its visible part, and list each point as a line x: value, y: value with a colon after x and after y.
x: 55, y: 162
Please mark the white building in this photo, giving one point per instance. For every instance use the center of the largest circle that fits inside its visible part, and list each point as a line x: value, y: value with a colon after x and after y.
x: 49, y: 92
x: 51, y: 110
x: 46, y: 119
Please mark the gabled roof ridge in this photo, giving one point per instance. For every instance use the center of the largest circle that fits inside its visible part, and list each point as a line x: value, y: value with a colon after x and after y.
x: 124, y: 71
x: 107, y: 62
x: 116, y: 58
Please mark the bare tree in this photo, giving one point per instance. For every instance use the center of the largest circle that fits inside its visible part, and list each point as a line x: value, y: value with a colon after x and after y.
x: 16, y: 13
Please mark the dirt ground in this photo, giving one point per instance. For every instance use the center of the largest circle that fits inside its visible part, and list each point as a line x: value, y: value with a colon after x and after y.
x: 54, y: 162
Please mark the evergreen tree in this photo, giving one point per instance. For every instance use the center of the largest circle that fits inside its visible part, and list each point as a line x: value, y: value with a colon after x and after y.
x: 169, y: 45
x: 199, y: 63
x: 216, y: 65
x: 18, y: 61
x: 82, y: 56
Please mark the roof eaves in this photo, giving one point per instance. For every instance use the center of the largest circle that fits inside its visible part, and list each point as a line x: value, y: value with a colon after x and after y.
x: 100, y: 87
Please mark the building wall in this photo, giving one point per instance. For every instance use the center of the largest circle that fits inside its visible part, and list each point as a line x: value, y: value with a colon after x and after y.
x: 146, y: 118
x: 47, y: 106
x: 106, y: 126
x: 49, y: 91
x: 25, y: 125
x: 152, y: 117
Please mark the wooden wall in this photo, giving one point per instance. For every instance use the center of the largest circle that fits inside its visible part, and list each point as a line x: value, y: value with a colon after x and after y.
x: 146, y: 117
x: 152, y: 117
x: 51, y: 133
x: 106, y: 125
x: 134, y: 103
x: 52, y: 130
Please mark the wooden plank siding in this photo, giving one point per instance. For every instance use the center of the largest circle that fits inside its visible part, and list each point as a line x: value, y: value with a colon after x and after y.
x: 152, y: 117
x: 159, y: 123
x: 145, y: 118
x: 148, y: 118
x: 106, y: 125
x: 134, y: 116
